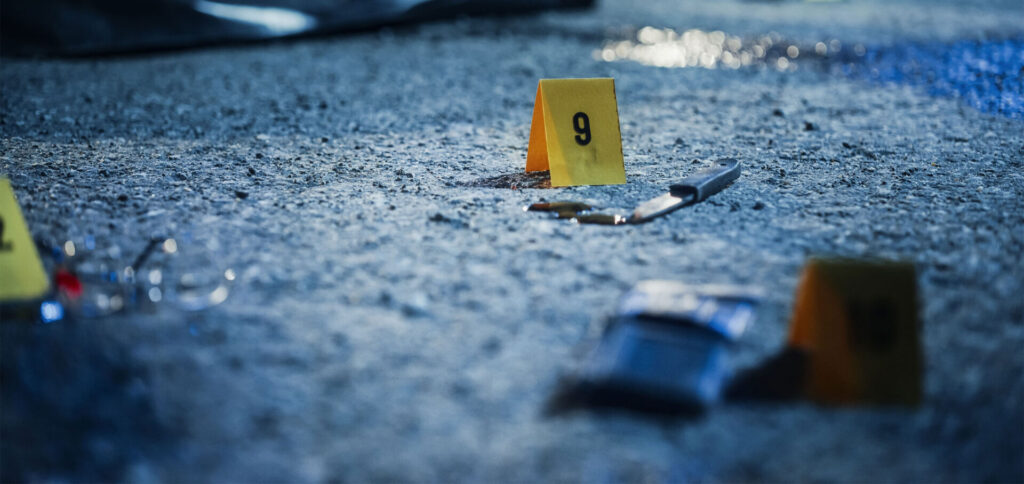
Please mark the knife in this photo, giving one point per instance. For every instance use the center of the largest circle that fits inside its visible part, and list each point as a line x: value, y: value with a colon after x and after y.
x: 688, y: 191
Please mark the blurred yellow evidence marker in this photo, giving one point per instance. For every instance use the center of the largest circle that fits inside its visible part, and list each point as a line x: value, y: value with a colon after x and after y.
x: 575, y: 133
x: 858, y: 321
x: 21, y: 272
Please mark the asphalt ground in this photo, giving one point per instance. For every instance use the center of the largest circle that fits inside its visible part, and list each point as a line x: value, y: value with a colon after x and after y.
x: 398, y: 317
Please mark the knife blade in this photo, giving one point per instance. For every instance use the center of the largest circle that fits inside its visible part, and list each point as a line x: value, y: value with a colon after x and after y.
x: 692, y: 189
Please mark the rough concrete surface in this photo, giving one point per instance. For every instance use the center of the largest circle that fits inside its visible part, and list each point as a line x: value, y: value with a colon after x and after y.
x: 395, y: 321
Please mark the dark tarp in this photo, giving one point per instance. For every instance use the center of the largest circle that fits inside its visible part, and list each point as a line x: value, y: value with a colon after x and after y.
x: 84, y: 27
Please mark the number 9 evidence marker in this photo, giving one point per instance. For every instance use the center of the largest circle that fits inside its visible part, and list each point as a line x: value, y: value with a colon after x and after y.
x: 575, y: 133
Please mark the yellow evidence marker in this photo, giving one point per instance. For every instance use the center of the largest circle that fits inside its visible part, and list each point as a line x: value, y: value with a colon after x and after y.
x: 575, y: 133
x: 21, y: 272
x: 858, y: 321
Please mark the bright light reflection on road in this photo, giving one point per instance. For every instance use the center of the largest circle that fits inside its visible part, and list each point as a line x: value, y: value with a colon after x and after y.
x: 710, y: 50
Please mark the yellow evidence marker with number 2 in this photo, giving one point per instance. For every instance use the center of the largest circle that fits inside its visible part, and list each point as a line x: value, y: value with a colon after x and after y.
x: 575, y: 133
x: 21, y: 272
x: 858, y: 320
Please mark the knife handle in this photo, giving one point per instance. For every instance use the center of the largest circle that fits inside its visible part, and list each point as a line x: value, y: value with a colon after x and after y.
x: 708, y: 181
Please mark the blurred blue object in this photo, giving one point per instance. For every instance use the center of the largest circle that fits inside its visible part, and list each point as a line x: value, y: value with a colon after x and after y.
x: 655, y: 367
x: 51, y: 311
x: 666, y: 351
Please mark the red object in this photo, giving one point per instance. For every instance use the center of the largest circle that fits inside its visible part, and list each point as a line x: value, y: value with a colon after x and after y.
x: 68, y: 284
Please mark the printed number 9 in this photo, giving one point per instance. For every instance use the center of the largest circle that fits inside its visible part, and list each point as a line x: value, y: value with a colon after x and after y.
x: 581, y: 124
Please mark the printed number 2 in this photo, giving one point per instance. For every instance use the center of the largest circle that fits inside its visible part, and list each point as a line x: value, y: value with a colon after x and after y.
x: 581, y: 124
x: 872, y: 325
